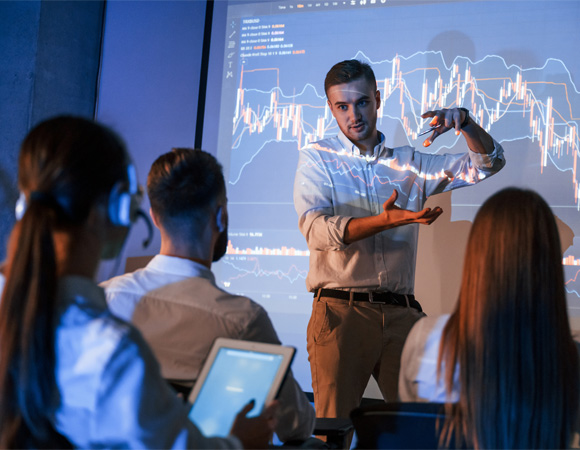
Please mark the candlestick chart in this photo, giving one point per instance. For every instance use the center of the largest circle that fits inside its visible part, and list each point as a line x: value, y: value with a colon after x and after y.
x: 511, y: 103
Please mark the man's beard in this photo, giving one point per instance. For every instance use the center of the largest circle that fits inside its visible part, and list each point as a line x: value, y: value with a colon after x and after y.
x: 221, y: 245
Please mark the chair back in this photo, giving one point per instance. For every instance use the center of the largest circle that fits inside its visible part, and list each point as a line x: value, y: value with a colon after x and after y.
x: 399, y: 426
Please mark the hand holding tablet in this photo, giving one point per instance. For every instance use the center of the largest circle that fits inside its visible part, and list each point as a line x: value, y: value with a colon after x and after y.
x: 255, y: 432
x: 235, y: 373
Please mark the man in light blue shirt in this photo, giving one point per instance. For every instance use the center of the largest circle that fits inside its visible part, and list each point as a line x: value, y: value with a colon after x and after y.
x: 359, y: 204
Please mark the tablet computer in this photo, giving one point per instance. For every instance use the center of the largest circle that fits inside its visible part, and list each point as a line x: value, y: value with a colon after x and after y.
x: 234, y: 373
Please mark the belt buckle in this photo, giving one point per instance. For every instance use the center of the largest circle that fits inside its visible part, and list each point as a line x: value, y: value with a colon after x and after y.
x: 371, y: 300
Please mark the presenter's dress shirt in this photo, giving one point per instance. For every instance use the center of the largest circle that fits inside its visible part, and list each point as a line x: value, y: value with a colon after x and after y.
x: 180, y: 310
x: 335, y: 183
x: 111, y: 391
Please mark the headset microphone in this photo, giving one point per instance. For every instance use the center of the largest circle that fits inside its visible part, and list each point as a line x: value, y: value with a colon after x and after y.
x: 142, y: 214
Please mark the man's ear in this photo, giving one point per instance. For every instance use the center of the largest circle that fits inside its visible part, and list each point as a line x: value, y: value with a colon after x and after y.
x: 220, y: 219
x: 154, y: 218
x: 378, y: 98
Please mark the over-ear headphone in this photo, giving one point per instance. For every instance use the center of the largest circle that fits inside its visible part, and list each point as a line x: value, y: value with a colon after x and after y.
x: 123, y: 206
x: 123, y: 201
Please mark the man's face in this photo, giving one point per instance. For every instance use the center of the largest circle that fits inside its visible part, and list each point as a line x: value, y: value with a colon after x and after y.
x: 354, y: 105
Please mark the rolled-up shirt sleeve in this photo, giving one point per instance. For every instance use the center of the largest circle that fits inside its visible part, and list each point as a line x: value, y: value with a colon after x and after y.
x: 452, y: 171
x: 318, y: 221
x: 489, y: 163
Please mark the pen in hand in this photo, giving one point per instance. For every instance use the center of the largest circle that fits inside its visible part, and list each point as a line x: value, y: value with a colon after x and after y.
x: 428, y: 130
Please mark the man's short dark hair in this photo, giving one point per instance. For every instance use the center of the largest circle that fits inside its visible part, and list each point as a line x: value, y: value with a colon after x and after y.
x: 347, y: 71
x: 184, y: 184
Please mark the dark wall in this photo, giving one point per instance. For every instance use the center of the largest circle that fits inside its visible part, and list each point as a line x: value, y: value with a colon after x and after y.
x: 49, y: 53
x: 148, y: 89
x: 146, y: 85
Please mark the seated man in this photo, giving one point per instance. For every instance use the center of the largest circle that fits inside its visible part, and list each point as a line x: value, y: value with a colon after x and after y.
x: 174, y: 300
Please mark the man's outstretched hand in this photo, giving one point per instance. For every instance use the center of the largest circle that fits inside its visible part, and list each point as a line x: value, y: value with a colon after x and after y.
x: 395, y: 216
x: 392, y: 216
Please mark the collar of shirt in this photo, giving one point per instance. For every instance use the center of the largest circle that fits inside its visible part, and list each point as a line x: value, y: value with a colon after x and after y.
x: 182, y: 267
x: 349, y: 146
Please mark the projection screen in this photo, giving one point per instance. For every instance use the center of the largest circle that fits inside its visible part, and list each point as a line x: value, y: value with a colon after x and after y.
x: 513, y: 64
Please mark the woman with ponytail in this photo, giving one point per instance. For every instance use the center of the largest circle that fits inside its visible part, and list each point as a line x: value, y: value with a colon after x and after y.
x: 504, y: 362
x: 71, y: 374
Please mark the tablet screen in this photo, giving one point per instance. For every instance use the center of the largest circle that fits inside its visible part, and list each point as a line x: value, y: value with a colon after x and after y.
x: 235, y: 377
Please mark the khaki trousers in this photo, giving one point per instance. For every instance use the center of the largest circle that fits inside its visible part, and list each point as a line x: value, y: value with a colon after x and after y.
x: 349, y: 341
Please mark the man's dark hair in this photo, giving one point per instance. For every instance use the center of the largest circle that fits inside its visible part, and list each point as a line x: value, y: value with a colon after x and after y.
x: 347, y: 71
x: 184, y: 184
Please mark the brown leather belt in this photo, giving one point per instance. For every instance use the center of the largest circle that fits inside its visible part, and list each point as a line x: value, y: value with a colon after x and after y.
x: 385, y: 298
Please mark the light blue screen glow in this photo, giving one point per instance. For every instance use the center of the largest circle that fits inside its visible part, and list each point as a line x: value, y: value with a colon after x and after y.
x: 235, y: 378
